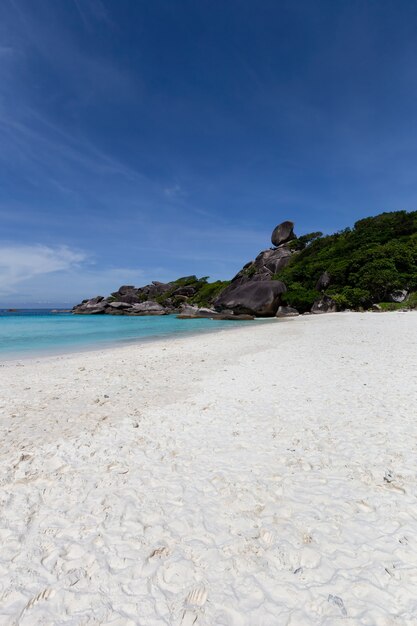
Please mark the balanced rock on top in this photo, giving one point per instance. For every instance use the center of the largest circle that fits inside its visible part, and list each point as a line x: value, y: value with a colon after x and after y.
x: 282, y: 233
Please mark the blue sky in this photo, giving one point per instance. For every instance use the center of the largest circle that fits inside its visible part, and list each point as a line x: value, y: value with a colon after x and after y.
x: 145, y: 140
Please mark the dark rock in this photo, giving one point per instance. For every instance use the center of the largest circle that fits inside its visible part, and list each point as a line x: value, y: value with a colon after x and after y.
x: 243, y: 317
x: 323, y: 282
x: 286, y: 311
x: 110, y: 311
x: 94, y: 306
x: 266, y: 264
x: 399, y: 295
x: 98, y: 310
x: 273, y: 260
x: 156, y: 289
x: 258, y: 298
x: 324, y: 305
x: 125, y: 289
x: 376, y: 308
x: 193, y: 312
x: 95, y: 300
x: 129, y: 298
x: 190, y: 313
x: 282, y: 233
x: 188, y: 290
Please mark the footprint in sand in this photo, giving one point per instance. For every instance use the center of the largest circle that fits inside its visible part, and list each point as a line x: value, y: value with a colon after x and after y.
x: 43, y: 595
x: 193, y: 602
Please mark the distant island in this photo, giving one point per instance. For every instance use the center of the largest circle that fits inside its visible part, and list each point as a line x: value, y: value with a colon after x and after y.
x: 371, y: 266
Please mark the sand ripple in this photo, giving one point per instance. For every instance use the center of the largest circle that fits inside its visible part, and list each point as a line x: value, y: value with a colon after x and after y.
x: 260, y: 476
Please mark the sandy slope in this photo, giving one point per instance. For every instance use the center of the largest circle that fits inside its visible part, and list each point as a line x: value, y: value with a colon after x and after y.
x: 265, y: 475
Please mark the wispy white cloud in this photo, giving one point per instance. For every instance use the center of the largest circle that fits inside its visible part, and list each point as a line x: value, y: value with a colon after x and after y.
x: 23, y: 262
x: 35, y: 274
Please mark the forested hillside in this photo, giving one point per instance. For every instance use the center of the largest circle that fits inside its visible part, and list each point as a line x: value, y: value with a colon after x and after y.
x: 366, y: 264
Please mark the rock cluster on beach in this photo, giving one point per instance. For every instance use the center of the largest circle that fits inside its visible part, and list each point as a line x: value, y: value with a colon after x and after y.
x: 307, y: 274
x: 252, y: 292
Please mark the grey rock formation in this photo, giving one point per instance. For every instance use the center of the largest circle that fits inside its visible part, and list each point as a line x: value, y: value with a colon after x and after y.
x: 324, y: 305
x: 191, y: 312
x: 188, y: 290
x: 323, y: 282
x: 266, y: 264
x: 282, y: 233
x: 147, y: 308
x: 273, y: 260
x: 258, y: 298
x: 94, y: 306
x: 286, y: 311
x: 252, y: 292
x: 119, y: 305
x: 399, y: 295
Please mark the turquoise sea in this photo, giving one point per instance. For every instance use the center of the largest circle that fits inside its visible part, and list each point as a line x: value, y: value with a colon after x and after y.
x: 36, y: 332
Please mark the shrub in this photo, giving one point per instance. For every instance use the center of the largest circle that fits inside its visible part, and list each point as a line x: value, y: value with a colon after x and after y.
x: 411, y: 301
x: 299, y: 297
x: 209, y: 292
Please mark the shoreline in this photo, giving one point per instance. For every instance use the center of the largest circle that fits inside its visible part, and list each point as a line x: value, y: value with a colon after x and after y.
x: 127, y: 343
x: 13, y: 359
x: 267, y: 478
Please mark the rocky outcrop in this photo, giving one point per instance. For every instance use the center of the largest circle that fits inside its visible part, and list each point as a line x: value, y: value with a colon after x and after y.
x: 251, y: 293
x: 192, y: 313
x: 256, y: 297
x: 286, y: 311
x: 323, y: 282
x: 324, y: 305
x: 148, y: 308
x: 398, y: 296
x: 269, y: 262
x: 94, y: 306
x: 282, y: 233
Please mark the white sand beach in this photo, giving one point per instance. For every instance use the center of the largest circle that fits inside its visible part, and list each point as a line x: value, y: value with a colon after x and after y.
x: 261, y: 476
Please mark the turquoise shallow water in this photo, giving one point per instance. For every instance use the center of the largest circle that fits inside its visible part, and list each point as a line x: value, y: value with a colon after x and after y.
x: 40, y: 332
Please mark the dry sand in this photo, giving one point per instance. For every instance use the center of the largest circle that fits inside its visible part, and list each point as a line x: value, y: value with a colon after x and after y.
x: 259, y: 476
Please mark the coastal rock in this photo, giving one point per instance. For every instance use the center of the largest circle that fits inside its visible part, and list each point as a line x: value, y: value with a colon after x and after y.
x: 125, y: 289
x: 376, y: 308
x: 286, y: 311
x: 282, y: 233
x: 399, y: 295
x: 234, y: 318
x: 324, y: 305
x: 148, y: 308
x: 94, y: 306
x: 188, y: 291
x: 266, y: 264
x: 97, y: 310
x: 119, y: 305
x: 155, y: 289
x: 273, y: 260
x: 191, y: 312
x: 94, y: 301
x: 323, y: 282
x: 117, y: 308
x: 129, y: 298
x: 258, y: 298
